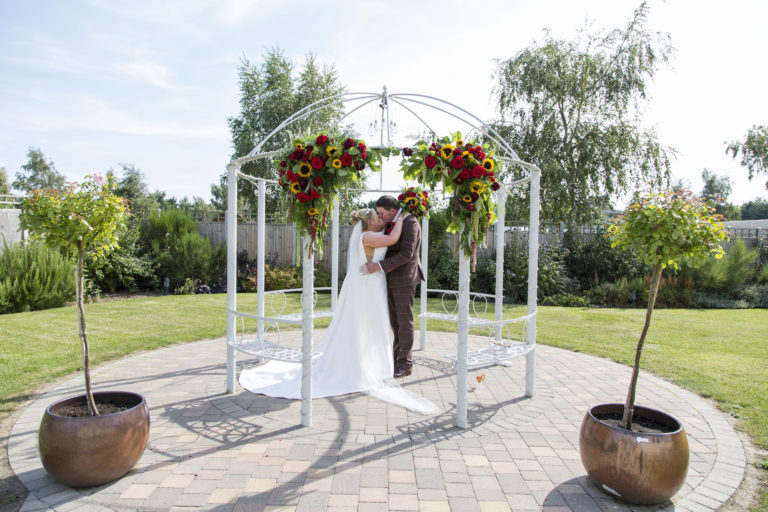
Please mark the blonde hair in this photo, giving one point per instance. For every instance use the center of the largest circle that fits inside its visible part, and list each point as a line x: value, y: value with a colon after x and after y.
x: 364, y: 216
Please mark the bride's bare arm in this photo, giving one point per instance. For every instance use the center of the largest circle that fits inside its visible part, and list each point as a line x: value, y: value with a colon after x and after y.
x: 373, y: 239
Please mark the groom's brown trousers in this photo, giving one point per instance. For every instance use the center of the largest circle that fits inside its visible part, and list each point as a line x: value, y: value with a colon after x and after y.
x: 401, y: 319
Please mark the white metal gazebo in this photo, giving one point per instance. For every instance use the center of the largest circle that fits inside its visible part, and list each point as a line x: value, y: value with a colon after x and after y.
x: 499, y: 349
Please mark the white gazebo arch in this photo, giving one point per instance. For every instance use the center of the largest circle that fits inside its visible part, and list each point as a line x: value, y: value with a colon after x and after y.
x: 411, y: 103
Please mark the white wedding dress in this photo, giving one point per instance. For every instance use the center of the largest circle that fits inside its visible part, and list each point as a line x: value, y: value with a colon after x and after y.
x: 356, y: 350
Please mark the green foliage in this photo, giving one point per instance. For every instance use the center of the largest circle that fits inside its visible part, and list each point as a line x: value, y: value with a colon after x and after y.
x: 753, y: 151
x: 5, y: 187
x: 126, y: 267
x: 187, y: 287
x: 619, y: 294
x: 663, y: 228
x: 567, y: 300
x: 755, y: 210
x: 595, y: 262
x: 37, y: 174
x: 443, y: 269
x: 179, y: 252
x: 729, y: 274
x: 756, y: 295
x: 574, y: 109
x: 34, y: 277
x: 269, y: 94
x: 282, y: 277
x: 77, y: 219
x: 706, y: 300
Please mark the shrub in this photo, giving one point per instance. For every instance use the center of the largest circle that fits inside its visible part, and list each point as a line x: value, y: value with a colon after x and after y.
x: 756, y: 295
x: 596, y: 262
x: 717, y: 301
x: 186, y: 288
x: 727, y: 275
x: 125, y: 268
x: 34, y: 277
x: 179, y: 252
x: 568, y: 300
x: 443, y: 268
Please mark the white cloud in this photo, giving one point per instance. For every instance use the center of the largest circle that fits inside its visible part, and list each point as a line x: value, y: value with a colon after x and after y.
x: 145, y: 71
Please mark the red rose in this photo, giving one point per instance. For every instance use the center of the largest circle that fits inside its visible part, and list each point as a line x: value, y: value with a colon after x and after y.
x: 457, y: 162
x: 390, y: 225
x: 424, y: 203
x: 478, y: 171
x: 321, y: 139
x: 314, y: 194
x: 407, y: 151
x: 425, y: 194
x: 430, y: 161
x: 282, y: 172
x: 303, y: 182
x: 346, y: 159
x: 457, y: 151
x: 292, y: 176
x: 292, y: 157
x: 317, y: 162
x: 361, y: 146
x: 302, y: 197
x: 474, y: 196
x: 466, y: 173
x: 283, y: 163
x: 495, y: 186
x: 480, y: 155
x: 363, y: 154
x: 471, y: 207
x: 348, y: 143
x: 401, y: 197
x: 360, y: 165
x: 411, y: 194
x: 317, y: 181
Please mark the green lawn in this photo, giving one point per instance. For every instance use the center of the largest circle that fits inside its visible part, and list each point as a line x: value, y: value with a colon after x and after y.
x: 721, y: 354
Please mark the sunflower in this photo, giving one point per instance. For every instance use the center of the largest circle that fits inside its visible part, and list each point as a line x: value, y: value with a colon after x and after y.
x: 488, y: 164
x: 330, y: 150
x: 305, y: 170
x: 446, y: 151
x: 476, y: 187
x: 336, y: 163
x: 438, y: 169
x: 312, y: 211
x: 411, y: 201
x: 467, y: 198
x: 299, y: 145
x: 295, y: 188
x: 459, y: 143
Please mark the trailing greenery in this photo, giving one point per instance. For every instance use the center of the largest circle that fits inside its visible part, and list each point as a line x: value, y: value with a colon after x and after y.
x: 34, y: 277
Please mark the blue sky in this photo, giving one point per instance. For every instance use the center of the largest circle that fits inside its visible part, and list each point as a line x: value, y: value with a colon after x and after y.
x: 96, y: 83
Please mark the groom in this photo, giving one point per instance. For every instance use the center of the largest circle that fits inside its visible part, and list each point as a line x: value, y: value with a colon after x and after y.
x: 403, y: 268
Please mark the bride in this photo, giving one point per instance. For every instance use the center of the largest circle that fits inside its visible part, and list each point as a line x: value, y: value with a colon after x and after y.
x: 356, y: 350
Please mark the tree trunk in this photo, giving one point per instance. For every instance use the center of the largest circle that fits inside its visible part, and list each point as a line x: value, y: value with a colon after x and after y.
x: 79, y: 279
x: 629, y: 406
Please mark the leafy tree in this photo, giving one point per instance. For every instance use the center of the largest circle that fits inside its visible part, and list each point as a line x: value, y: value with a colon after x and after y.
x: 662, y: 229
x: 716, y: 191
x: 753, y: 150
x: 755, y: 210
x: 573, y: 109
x: 5, y: 188
x: 77, y: 220
x: 269, y: 93
x: 37, y: 174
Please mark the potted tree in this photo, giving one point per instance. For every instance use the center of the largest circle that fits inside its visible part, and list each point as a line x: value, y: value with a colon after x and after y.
x: 93, y: 438
x: 634, y: 453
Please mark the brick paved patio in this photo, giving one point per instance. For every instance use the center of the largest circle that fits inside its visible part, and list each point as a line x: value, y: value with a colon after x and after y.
x: 212, y: 451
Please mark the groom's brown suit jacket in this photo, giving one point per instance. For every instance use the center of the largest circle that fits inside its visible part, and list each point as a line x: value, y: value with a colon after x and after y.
x: 402, y: 262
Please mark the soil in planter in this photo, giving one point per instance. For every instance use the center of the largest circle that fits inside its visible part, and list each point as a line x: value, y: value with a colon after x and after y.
x: 106, y: 407
x: 639, y: 424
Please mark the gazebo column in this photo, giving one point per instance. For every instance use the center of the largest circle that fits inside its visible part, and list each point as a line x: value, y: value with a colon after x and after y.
x: 307, y: 308
x: 501, y: 197
x: 423, y: 295
x: 261, y: 251
x: 231, y: 220
x: 463, y: 331
x: 335, y: 254
x: 533, y: 273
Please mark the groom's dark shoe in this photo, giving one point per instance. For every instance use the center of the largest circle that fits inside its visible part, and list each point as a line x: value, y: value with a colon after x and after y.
x: 402, y: 373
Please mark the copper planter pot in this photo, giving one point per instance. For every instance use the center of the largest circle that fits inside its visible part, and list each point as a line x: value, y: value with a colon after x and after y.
x: 93, y: 450
x: 634, y: 467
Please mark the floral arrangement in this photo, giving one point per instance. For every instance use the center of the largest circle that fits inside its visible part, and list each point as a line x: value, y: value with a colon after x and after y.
x: 415, y: 201
x: 467, y: 171
x: 313, y: 172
